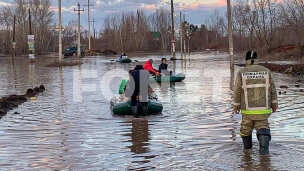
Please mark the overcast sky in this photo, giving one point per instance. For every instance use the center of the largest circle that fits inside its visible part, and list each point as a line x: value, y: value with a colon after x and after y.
x: 196, y: 11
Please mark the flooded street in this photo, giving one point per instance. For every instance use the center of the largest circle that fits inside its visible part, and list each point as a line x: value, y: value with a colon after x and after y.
x: 70, y: 125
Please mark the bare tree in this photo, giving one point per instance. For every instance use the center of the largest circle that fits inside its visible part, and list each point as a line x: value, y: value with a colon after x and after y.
x: 160, y: 21
x: 42, y: 19
x: 6, y: 21
x: 267, y: 16
x: 292, y: 13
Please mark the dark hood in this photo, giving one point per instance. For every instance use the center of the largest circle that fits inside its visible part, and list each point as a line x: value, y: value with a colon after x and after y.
x: 138, y: 67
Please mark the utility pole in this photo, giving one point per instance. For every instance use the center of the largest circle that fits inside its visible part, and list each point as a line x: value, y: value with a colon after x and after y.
x: 172, y: 31
x: 78, y: 44
x: 184, y: 33
x: 230, y: 36
x: 14, y: 43
x: 30, y: 38
x: 181, y: 34
x: 121, y: 41
x: 30, y: 21
x: 137, y: 43
x: 93, y: 30
x: 60, y: 32
x: 89, y: 23
x: 189, y: 44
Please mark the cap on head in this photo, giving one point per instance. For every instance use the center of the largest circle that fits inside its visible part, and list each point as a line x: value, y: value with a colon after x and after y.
x: 250, y: 55
x: 151, y: 60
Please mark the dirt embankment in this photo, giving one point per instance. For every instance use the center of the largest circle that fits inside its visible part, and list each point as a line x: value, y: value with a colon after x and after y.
x: 284, y: 53
x: 94, y: 52
x: 293, y: 69
x: 10, y: 102
x: 287, y: 52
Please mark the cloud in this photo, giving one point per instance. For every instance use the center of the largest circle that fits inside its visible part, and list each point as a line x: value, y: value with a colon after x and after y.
x: 196, y: 11
x: 3, y: 3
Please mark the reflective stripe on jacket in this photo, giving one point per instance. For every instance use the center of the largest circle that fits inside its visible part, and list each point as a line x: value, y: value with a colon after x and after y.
x: 254, y: 91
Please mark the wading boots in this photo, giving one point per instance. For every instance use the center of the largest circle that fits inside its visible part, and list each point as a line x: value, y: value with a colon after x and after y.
x: 135, y: 111
x: 247, y: 142
x: 264, y: 137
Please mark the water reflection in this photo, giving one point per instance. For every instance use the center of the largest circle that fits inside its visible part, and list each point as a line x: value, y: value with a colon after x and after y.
x: 32, y: 74
x: 249, y: 161
x: 61, y: 83
x: 164, y: 87
x: 140, y: 136
x: 174, y: 65
x: 265, y: 162
x: 15, y: 77
x: 231, y: 79
x: 246, y: 159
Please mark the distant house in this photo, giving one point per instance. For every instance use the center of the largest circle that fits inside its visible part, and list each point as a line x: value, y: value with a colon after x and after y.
x: 153, y: 35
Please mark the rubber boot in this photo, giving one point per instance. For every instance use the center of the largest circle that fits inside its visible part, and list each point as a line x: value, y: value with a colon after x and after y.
x: 264, y: 137
x: 247, y: 142
x: 139, y: 108
x: 144, y: 110
x: 135, y: 111
x: 264, y: 144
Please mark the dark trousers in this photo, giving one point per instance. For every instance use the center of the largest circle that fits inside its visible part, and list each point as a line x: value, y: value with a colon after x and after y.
x: 135, y: 102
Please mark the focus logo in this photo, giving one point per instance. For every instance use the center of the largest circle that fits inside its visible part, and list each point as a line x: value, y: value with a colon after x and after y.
x: 197, y: 83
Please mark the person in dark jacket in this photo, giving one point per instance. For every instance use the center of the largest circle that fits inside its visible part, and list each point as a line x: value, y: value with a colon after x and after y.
x: 163, y: 68
x: 121, y: 55
x: 139, y: 87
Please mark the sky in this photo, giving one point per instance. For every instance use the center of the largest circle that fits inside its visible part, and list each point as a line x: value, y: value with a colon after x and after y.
x: 196, y: 11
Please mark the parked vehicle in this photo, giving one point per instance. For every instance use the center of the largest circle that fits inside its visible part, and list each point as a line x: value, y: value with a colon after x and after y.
x: 72, y: 51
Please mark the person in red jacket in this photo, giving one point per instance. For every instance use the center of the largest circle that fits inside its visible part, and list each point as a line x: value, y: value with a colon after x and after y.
x: 148, y: 66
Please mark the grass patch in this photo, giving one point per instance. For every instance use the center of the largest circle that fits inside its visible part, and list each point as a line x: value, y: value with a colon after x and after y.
x: 57, y: 63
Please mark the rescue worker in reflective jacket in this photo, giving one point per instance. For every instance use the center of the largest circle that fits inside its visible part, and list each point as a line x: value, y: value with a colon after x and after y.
x: 254, y: 96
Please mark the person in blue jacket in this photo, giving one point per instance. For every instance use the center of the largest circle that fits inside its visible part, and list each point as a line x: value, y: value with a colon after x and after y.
x: 122, y: 54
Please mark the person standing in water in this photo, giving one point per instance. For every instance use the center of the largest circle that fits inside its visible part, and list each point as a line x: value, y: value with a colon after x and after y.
x: 254, y: 96
x: 138, y: 90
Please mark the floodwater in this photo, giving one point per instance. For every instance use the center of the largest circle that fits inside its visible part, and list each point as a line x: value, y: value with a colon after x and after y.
x: 70, y: 125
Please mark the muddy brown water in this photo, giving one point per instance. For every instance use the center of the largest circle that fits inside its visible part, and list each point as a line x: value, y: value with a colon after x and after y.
x: 70, y: 125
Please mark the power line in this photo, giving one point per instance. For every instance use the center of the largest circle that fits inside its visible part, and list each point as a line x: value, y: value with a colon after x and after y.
x: 192, y: 5
x: 69, y: 2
